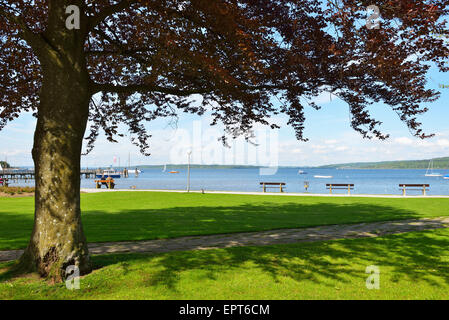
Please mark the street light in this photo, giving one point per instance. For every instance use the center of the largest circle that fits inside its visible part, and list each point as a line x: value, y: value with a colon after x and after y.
x: 188, y: 170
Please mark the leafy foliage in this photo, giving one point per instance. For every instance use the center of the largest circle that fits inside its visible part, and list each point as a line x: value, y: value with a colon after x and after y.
x: 237, y: 58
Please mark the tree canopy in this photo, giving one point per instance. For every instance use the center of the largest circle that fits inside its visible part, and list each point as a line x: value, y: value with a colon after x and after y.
x: 246, y: 59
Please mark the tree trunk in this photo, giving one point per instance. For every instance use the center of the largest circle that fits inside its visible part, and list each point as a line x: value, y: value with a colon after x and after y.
x: 58, y: 240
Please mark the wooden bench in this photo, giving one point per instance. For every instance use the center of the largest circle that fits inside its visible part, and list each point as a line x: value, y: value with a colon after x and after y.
x: 108, y: 182
x: 424, y: 187
x: 340, y: 186
x: 266, y: 185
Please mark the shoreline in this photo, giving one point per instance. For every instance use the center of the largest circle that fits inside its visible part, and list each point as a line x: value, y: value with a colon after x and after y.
x: 285, y: 194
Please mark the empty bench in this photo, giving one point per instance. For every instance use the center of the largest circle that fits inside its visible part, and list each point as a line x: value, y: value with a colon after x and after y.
x: 422, y: 187
x: 109, y: 183
x: 340, y: 186
x: 276, y: 185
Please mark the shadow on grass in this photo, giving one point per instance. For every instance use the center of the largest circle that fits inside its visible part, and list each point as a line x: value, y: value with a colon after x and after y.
x: 147, y: 224
x: 116, y: 223
x: 409, y: 255
x: 417, y: 256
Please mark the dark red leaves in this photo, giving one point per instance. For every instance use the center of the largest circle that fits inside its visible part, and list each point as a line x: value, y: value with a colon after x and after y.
x: 147, y: 57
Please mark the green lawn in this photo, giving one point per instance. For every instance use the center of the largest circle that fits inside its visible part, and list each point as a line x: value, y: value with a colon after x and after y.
x: 120, y: 216
x: 412, y: 266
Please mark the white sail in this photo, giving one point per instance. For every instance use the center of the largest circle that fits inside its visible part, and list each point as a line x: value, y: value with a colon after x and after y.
x: 430, y: 169
x: 1, y: 168
x: 165, y: 168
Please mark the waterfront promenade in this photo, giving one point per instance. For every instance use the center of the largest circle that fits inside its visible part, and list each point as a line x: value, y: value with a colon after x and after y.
x: 88, y: 190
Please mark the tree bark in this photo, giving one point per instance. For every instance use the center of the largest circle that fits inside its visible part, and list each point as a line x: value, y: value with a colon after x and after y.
x: 58, y: 240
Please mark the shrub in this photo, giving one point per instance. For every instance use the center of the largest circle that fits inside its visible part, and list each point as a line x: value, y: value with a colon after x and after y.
x: 14, y: 190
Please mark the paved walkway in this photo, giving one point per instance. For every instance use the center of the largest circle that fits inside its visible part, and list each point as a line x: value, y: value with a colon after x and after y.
x: 282, y: 236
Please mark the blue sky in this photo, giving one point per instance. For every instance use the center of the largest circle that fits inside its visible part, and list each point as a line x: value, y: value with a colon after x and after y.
x: 331, y: 139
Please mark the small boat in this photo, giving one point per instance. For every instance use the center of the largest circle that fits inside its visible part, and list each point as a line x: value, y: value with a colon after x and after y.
x: 323, y: 177
x: 173, y: 172
x: 302, y: 172
x: 446, y: 177
x: 165, y: 168
x: 430, y: 168
x: 133, y: 171
x: 110, y: 173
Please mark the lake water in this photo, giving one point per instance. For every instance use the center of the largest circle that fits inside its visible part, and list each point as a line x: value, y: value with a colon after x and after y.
x: 366, y: 181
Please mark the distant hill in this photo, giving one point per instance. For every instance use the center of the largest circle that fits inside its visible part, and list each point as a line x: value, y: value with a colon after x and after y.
x: 438, y: 163
x: 196, y: 166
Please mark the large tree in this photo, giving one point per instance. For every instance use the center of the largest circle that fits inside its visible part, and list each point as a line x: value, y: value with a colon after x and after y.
x: 246, y: 59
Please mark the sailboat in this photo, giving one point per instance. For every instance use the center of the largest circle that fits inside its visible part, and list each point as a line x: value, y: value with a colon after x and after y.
x: 165, y: 168
x: 430, y: 169
x: 132, y: 171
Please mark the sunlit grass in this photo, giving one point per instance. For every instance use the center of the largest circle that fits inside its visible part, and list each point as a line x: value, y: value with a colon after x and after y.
x: 121, y: 216
x: 412, y: 266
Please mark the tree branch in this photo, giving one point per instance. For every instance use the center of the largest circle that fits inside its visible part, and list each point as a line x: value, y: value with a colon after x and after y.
x: 97, y: 87
x: 103, y: 14
x: 121, y: 49
x: 133, y: 88
x: 115, y: 52
x: 24, y: 31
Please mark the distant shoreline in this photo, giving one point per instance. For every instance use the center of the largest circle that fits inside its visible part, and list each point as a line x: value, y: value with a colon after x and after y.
x: 438, y: 164
x: 183, y: 166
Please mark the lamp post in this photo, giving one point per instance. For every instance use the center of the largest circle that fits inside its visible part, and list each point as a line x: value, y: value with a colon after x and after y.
x: 188, y: 170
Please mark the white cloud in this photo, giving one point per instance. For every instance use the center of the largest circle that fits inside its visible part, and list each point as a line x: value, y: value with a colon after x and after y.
x: 324, y: 97
x: 404, y: 141
x: 341, y: 148
x: 443, y: 143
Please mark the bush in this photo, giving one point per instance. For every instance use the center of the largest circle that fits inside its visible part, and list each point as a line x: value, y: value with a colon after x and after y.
x: 13, y: 190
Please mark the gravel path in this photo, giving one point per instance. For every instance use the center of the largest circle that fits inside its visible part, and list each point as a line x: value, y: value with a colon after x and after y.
x: 282, y: 236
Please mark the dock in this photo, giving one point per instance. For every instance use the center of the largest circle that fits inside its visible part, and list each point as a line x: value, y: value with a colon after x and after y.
x: 28, y: 175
